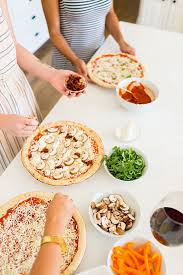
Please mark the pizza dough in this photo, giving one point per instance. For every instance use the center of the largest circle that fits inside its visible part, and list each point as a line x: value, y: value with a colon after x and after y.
x: 63, y: 153
x: 21, y: 231
x: 108, y: 70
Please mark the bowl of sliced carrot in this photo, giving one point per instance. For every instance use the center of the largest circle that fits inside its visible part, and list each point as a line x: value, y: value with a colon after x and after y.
x: 136, y: 256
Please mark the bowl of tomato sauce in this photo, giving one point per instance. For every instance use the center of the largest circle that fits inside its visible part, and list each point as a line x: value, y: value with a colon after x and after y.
x: 136, y: 93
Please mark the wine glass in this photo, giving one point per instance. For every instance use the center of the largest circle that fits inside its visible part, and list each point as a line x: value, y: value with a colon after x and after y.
x: 167, y: 220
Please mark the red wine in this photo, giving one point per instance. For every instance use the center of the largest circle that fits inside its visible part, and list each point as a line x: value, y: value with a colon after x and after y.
x: 167, y: 226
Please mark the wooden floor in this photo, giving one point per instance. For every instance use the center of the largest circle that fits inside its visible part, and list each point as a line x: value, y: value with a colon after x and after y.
x: 127, y: 10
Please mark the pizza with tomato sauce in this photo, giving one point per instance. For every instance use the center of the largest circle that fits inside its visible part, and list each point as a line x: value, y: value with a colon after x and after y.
x: 22, y: 222
x: 63, y: 153
x: 108, y: 70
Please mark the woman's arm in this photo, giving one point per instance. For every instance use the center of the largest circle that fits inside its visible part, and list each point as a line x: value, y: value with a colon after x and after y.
x: 112, y: 25
x: 53, y: 21
x: 49, y: 258
x: 28, y: 62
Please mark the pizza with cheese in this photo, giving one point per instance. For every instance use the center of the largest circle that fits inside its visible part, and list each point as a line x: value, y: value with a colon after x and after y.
x: 22, y: 222
x: 108, y: 70
x: 63, y: 153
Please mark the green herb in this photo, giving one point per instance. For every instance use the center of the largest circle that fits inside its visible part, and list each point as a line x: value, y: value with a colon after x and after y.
x: 125, y: 164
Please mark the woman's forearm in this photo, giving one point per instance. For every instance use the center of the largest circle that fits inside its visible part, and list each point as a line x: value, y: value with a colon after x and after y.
x: 112, y: 25
x: 3, y: 118
x: 30, y: 63
x: 48, y: 260
x: 61, y: 44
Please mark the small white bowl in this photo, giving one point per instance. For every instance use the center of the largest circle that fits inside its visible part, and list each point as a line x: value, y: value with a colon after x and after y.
x: 135, y: 107
x: 140, y: 153
x: 138, y: 240
x: 128, y: 198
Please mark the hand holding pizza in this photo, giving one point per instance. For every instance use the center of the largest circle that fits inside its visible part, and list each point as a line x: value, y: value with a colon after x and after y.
x: 59, y: 214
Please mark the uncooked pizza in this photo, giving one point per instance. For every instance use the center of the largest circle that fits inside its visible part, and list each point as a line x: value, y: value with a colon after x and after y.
x: 108, y: 70
x: 22, y: 222
x: 63, y: 153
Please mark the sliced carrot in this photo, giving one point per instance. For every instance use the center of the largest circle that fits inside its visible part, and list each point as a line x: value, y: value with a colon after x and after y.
x: 133, y: 271
x: 126, y: 260
x: 147, y: 261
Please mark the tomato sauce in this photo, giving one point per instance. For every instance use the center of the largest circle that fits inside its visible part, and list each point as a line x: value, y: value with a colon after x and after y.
x: 135, y: 93
x: 31, y: 201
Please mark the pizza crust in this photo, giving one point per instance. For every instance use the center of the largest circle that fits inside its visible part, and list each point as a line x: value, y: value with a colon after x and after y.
x: 80, y: 222
x: 99, y: 81
x: 95, y: 166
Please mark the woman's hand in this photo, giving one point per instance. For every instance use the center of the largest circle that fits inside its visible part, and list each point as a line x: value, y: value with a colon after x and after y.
x: 17, y: 125
x: 81, y: 67
x: 126, y: 48
x: 59, y: 214
x: 57, y: 79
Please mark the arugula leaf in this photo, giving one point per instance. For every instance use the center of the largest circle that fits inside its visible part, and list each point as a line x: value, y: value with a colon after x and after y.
x: 125, y: 164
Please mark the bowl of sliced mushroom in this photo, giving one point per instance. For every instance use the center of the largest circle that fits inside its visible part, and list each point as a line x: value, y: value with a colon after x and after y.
x: 114, y: 213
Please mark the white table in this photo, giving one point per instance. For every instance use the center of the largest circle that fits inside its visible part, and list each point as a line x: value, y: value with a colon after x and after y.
x: 161, y: 140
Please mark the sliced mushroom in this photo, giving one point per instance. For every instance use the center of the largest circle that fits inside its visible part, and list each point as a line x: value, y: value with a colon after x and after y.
x: 77, y: 144
x: 76, y: 155
x: 45, y: 155
x: 106, y: 201
x: 112, y: 198
x: 67, y: 143
x: 34, y: 147
x: 122, y: 225
x: 84, y: 156
x: 98, y: 216
x: 114, y: 220
x: 96, y: 220
x: 112, y: 228
x: 119, y: 231
x: 53, y: 130
x: 120, y: 199
x: 108, y: 215
x: 53, y: 152
x: 40, y: 165
x: 50, y: 139
x: 72, y: 131
x: 131, y: 217
x: 58, y: 163
x: 111, y: 205
x: 129, y: 226
x: 51, y: 164
x: 57, y: 174
x: 74, y: 170
x: 100, y: 205
x: 103, y: 210
x: 93, y: 205
x: 105, y: 222
x: 69, y: 161
x: 47, y: 173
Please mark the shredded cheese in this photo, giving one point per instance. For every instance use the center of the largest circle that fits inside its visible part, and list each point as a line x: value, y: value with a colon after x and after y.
x: 20, y: 238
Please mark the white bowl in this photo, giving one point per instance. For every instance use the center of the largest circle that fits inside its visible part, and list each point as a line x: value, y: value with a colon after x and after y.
x: 138, y: 240
x: 140, y: 153
x: 135, y: 107
x: 128, y: 198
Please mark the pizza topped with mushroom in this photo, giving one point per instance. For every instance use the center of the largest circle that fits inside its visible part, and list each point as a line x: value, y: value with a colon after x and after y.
x: 63, y: 153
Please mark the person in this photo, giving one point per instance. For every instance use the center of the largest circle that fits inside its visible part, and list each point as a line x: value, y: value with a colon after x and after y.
x: 59, y: 214
x: 19, y: 112
x: 77, y: 30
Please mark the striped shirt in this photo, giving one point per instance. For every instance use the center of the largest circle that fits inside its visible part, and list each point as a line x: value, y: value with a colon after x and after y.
x: 82, y: 23
x: 16, y: 96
